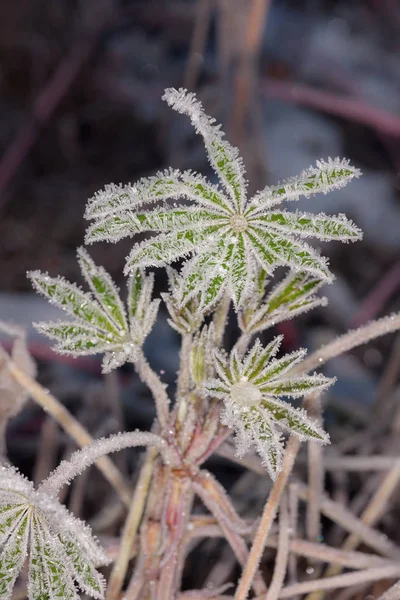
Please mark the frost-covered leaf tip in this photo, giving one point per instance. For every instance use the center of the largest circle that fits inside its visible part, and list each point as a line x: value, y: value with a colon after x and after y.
x: 251, y: 390
x: 224, y: 234
x: 61, y: 549
x: 100, y: 321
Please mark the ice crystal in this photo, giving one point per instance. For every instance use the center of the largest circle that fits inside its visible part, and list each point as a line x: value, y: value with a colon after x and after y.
x: 252, y: 389
x: 100, y: 321
x: 294, y: 295
x: 62, y: 550
x: 224, y: 235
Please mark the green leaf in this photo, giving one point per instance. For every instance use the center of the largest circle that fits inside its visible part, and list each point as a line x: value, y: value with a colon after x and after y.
x: 240, y: 272
x: 269, y: 448
x: 323, y: 178
x: 104, y: 290
x: 89, y: 580
x: 292, y: 288
x: 166, y: 248
x: 9, y: 515
x: 217, y: 283
x: 278, y: 367
x: 73, y: 301
x: 298, y: 256
x: 266, y: 259
x: 68, y: 330
x: 258, y: 358
x: 13, y: 556
x: 86, y: 345
x: 321, y: 226
x: 295, y: 420
x: 295, y: 387
x: 223, y: 157
x: 115, y: 227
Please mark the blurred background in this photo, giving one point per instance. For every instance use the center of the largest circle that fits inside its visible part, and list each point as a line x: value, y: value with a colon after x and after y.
x: 291, y: 81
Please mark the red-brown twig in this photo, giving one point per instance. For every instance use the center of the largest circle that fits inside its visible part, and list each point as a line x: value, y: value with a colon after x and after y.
x: 349, y: 108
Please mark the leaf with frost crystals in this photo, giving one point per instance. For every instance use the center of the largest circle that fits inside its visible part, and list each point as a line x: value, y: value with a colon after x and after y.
x: 103, y: 325
x: 294, y: 295
x: 61, y: 548
x: 246, y: 231
x: 223, y: 157
x: 251, y: 389
x: 186, y: 318
x: 323, y: 178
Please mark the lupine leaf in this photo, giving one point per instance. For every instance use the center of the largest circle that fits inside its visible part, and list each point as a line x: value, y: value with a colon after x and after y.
x: 321, y: 226
x: 278, y: 367
x: 13, y: 556
x: 288, y: 252
x: 89, y: 580
x: 166, y: 248
x: 295, y: 388
x: 326, y: 176
x: 116, y: 227
x: 215, y: 286
x: 258, y: 358
x: 68, y: 330
x: 72, y: 300
x: 169, y: 184
x: 295, y: 420
x: 104, y: 290
x: 241, y: 272
x: 223, y: 157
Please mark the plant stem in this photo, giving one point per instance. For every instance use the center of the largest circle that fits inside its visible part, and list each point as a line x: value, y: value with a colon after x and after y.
x: 157, y: 388
x: 52, y: 406
x: 220, y: 318
x: 267, y: 519
x: 82, y: 459
x: 183, y: 377
x: 131, y: 526
x: 347, y: 342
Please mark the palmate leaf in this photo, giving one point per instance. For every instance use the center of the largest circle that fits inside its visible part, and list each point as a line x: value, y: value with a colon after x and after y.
x: 104, y: 327
x: 263, y: 239
x: 184, y: 318
x: 251, y: 389
x: 61, y: 548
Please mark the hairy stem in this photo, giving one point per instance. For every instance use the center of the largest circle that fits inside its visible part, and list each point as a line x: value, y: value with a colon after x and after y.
x: 80, y: 460
x: 131, y: 526
x: 183, y: 377
x: 220, y: 318
x: 157, y: 388
x: 53, y: 407
x: 267, y: 519
x: 347, y: 342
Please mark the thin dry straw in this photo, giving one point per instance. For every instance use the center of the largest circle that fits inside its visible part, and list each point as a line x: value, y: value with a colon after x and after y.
x: 74, y: 429
x: 341, y: 581
x: 282, y: 555
x: 315, y: 480
x: 197, y: 43
x: 341, y: 515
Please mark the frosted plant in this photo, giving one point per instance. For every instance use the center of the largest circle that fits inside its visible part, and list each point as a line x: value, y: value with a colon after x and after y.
x: 100, y: 321
x: 186, y: 318
x: 294, y: 295
x: 61, y: 548
x: 226, y: 234
x: 251, y: 390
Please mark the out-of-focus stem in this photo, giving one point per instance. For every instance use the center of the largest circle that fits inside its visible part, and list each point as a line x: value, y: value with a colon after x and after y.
x: 131, y: 526
x: 52, y: 406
